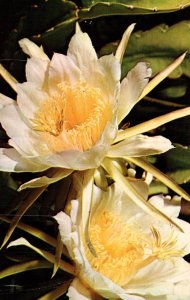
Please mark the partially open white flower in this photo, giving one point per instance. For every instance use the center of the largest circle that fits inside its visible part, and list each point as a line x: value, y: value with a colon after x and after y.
x: 67, y: 113
x: 121, y: 252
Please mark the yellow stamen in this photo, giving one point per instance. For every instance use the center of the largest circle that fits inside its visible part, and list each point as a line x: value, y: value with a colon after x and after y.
x: 74, y: 117
x: 119, y: 248
x: 122, y: 249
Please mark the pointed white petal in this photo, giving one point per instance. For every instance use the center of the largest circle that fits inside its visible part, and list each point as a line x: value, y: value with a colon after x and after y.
x: 106, y: 77
x: 131, y: 88
x: 62, y: 69
x: 4, y: 100
x: 32, y: 49
x: 36, y: 70
x: 11, y: 121
x: 140, y: 145
x: 45, y: 180
x: 29, y: 98
x: 12, y: 161
x: 123, y: 43
x: 81, y: 50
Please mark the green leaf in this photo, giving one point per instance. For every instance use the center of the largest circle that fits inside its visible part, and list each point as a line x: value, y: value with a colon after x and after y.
x: 53, y: 13
x: 157, y: 46
x: 96, y: 8
x: 181, y: 176
x: 157, y: 187
x: 178, y: 158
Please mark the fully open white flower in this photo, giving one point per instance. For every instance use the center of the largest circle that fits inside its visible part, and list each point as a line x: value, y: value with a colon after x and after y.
x: 67, y: 113
x: 121, y: 252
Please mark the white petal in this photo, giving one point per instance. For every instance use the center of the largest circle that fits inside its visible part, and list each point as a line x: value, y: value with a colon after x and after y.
x: 32, y: 49
x: 4, y: 100
x: 159, y: 277
x: 81, y: 50
x: 12, y: 161
x: 77, y: 291
x: 183, y: 238
x: 36, y: 70
x: 45, y: 180
x: 23, y: 139
x: 171, y: 207
x: 131, y: 88
x: 114, y: 199
x: 29, y: 98
x: 61, y: 69
x: 65, y: 229
x: 30, y: 148
x: 11, y: 121
x: 106, y: 77
x: 140, y: 145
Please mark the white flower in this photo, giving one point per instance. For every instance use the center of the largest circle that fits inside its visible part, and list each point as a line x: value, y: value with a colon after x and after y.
x: 121, y: 252
x: 68, y: 111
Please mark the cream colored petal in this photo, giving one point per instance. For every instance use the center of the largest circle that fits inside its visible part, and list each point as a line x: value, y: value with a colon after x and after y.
x: 36, y: 70
x: 62, y: 69
x: 103, y: 286
x: 32, y: 49
x: 30, y: 148
x: 106, y: 76
x: 45, y: 180
x: 140, y: 145
x: 29, y: 98
x: 81, y: 51
x: 171, y: 206
x: 68, y: 237
x: 77, y: 291
x: 23, y: 139
x: 12, y: 161
x: 131, y: 88
x: 123, y: 43
x: 4, y: 100
x: 182, y: 290
x: 183, y: 238
x: 11, y: 121
x: 118, y: 202
x: 159, y: 278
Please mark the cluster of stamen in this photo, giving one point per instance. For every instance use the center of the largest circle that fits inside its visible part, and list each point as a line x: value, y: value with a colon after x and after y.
x: 122, y: 249
x: 73, y: 117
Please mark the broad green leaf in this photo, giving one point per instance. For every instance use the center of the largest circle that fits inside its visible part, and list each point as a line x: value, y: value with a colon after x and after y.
x: 181, y: 176
x: 173, y: 91
x: 157, y: 46
x: 53, y: 13
x: 97, y: 8
x: 157, y: 187
x: 178, y: 158
x: 57, y: 37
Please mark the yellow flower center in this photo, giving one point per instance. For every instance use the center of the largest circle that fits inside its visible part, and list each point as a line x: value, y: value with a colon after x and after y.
x: 74, y: 117
x: 123, y: 249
